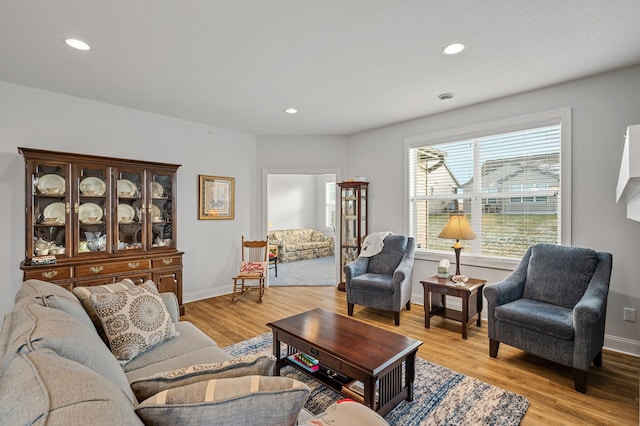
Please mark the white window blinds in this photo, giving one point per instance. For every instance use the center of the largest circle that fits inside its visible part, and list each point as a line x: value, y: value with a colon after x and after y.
x: 507, y: 184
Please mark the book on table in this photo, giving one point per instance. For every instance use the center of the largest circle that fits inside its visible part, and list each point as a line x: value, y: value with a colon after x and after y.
x: 305, y: 361
x: 355, y: 391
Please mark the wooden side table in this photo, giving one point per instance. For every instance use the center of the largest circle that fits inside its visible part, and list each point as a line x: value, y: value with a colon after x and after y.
x: 470, y: 293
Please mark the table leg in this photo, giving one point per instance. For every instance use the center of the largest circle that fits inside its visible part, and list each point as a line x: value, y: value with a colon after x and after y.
x: 276, y: 353
x: 479, y: 304
x: 410, y: 374
x: 370, y: 393
x: 465, y: 314
x: 427, y: 308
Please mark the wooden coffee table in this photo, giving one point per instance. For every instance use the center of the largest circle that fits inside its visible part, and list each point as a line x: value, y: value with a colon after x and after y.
x: 350, y: 350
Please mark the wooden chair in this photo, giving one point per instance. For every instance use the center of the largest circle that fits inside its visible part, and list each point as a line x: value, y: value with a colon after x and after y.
x: 253, y: 268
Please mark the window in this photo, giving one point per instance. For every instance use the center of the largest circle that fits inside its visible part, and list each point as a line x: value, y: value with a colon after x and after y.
x: 507, y: 178
x: 330, y: 205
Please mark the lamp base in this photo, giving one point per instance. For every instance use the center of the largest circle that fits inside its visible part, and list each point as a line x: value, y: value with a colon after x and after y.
x: 457, y: 248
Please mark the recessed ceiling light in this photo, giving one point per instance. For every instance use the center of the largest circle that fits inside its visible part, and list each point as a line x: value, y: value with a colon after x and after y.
x: 446, y: 96
x: 291, y: 110
x: 453, y: 48
x: 77, y: 44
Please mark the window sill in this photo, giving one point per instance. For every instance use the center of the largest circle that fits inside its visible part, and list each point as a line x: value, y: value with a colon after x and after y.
x: 481, y: 262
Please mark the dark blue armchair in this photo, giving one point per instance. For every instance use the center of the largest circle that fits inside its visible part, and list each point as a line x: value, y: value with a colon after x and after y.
x: 382, y: 281
x: 554, y: 306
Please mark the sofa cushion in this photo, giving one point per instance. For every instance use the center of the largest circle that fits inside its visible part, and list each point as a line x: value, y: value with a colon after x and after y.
x: 53, y: 296
x: 35, y: 327
x: 41, y: 387
x: 559, y: 274
x: 386, y: 262
x: 189, y: 340
x: 84, y: 295
x: 244, y: 400
x: 542, y: 317
x: 134, y: 320
x: 347, y: 412
x: 247, y: 365
x: 373, y: 282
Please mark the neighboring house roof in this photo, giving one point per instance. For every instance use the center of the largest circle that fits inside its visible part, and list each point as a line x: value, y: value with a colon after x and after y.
x: 546, y: 164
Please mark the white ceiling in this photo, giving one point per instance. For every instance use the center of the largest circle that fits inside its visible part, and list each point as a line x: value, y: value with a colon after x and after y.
x: 347, y: 65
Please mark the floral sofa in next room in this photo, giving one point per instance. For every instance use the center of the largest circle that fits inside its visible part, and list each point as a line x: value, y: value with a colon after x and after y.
x: 300, y: 244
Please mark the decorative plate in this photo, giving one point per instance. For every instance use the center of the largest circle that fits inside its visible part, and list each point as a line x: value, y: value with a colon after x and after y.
x: 126, y: 211
x: 51, y: 184
x: 92, y: 186
x: 54, y: 212
x: 126, y: 188
x: 155, y: 213
x: 90, y: 213
x: 156, y: 190
x: 460, y: 279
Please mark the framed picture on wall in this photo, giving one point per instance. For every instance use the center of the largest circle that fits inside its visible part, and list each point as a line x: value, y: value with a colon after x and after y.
x: 216, y: 197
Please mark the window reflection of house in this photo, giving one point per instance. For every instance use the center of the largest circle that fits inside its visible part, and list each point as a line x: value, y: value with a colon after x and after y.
x: 533, y: 180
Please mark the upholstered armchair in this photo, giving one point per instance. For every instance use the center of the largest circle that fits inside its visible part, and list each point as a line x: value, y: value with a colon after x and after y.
x: 382, y: 281
x: 553, y: 305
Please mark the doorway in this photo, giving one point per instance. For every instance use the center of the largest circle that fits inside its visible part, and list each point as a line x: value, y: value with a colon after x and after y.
x: 302, y: 200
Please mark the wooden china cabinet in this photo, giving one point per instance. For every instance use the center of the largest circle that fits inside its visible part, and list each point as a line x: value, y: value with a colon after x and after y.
x: 353, y: 223
x: 100, y: 220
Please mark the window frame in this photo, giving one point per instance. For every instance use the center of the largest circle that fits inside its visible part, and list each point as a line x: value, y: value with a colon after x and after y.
x: 553, y: 117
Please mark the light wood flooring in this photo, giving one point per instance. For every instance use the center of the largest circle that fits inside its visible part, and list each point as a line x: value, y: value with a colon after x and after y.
x: 612, y: 393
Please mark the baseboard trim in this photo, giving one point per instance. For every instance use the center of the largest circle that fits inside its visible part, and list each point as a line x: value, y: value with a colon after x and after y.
x: 622, y: 345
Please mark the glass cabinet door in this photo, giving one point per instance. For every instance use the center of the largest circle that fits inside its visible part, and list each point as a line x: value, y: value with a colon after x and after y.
x: 50, y: 209
x: 161, y: 209
x: 92, y: 207
x: 130, y: 210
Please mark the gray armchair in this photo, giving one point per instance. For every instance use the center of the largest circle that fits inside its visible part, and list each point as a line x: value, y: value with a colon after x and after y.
x: 382, y: 281
x: 554, y: 306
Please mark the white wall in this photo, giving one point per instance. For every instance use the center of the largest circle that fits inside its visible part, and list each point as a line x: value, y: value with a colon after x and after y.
x: 46, y: 120
x: 602, y: 107
x: 292, y: 201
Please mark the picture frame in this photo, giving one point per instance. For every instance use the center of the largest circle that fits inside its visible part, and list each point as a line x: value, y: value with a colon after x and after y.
x: 216, y: 197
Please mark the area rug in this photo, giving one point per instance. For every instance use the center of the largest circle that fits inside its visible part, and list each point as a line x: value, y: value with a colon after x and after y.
x: 310, y: 272
x: 441, y: 396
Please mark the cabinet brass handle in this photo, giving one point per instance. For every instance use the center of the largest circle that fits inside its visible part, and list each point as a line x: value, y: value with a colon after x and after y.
x: 167, y: 261
x: 133, y: 265
x: 49, y: 274
x: 67, y: 207
x: 96, y: 269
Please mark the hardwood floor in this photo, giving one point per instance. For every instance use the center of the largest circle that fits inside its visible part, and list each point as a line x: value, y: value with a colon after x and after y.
x: 612, y: 393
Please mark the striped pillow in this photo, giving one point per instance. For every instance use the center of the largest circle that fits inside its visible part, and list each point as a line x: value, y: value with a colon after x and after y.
x: 260, y: 364
x: 240, y: 400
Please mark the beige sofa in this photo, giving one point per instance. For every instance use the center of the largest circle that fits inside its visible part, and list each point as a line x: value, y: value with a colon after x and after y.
x: 301, y: 244
x: 56, y: 369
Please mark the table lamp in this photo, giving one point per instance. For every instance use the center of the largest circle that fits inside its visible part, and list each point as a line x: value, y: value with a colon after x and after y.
x: 459, y: 229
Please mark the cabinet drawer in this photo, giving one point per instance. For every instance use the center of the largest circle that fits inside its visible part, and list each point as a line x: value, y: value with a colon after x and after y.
x: 49, y: 274
x: 319, y: 354
x: 166, y: 261
x: 100, y: 268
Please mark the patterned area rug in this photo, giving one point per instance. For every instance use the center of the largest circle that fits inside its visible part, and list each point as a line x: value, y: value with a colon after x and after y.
x: 441, y: 396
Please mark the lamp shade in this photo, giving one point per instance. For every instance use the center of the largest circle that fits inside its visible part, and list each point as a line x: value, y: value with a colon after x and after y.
x: 458, y: 228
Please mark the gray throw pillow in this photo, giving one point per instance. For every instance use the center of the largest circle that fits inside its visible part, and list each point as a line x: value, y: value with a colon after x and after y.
x: 133, y: 320
x: 247, y: 365
x: 248, y: 400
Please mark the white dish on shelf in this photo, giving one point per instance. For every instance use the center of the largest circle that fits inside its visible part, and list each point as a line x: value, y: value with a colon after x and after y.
x: 125, y: 211
x: 126, y: 188
x: 155, y: 214
x: 90, y: 213
x: 92, y: 186
x: 54, y: 212
x: 51, y: 184
x: 156, y: 190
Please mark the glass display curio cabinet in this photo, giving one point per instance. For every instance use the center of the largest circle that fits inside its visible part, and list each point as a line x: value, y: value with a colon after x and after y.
x: 353, y: 222
x: 96, y: 220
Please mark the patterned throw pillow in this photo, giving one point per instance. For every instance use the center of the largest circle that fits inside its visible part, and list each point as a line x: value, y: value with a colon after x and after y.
x: 260, y: 364
x: 252, y: 269
x: 248, y: 400
x: 134, y: 320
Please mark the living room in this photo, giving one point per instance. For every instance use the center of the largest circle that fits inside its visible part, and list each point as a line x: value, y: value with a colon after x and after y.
x: 602, y: 105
